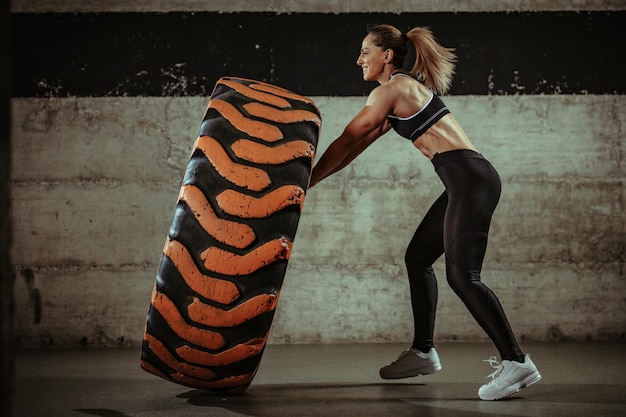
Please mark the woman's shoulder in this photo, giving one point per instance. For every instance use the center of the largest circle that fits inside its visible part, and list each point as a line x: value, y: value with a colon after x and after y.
x: 410, y: 88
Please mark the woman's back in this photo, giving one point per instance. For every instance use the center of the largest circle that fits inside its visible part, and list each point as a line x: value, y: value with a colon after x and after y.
x: 420, y: 115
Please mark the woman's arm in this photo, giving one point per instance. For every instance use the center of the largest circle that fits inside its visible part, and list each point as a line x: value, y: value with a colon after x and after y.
x: 367, y: 126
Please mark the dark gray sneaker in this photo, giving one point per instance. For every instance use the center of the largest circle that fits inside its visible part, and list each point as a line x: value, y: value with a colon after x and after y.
x: 412, y: 362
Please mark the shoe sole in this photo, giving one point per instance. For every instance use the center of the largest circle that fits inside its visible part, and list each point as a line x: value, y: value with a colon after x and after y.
x: 526, y: 382
x: 413, y: 372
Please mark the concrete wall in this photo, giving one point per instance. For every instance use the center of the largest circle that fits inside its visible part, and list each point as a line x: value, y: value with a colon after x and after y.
x: 95, y: 181
x: 312, y: 6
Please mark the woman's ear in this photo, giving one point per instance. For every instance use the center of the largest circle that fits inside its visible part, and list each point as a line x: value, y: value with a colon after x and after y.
x: 388, y: 55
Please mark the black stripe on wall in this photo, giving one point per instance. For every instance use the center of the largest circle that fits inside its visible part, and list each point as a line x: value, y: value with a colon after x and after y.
x: 183, y: 54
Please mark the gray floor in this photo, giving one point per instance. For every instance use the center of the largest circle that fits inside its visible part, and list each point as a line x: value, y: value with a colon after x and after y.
x: 579, y: 379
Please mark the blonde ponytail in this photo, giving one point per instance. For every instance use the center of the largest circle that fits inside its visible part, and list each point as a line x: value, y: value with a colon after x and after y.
x: 434, y: 64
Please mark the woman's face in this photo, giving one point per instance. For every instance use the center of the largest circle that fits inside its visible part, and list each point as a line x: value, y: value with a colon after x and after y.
x: 371, y: 60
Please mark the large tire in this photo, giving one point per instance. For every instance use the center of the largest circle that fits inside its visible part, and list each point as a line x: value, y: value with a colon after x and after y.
x: 229, y: 242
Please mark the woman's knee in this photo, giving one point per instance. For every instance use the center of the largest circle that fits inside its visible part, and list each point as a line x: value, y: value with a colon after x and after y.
x: 415, y: 261
x: 459, y: 279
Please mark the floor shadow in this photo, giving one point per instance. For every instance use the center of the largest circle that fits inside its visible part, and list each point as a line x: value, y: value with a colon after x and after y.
x: 334, y: 400
x: 101, y: 412
x: 400, y: 400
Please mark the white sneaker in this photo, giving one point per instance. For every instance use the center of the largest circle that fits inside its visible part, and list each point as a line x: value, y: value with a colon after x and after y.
x: 508, y: 378
x: 410, y: 363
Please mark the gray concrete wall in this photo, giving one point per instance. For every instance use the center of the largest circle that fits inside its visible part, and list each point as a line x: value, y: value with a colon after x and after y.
x: 95, y: 181
x: 313, y: 6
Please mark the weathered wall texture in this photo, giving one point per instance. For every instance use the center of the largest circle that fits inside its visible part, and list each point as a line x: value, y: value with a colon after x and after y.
x: 95, y: 181
x: 312, y: 6
x: 108, y: 106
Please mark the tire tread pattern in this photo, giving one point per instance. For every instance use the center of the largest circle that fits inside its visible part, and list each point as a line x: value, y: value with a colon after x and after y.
x: 231, y: 237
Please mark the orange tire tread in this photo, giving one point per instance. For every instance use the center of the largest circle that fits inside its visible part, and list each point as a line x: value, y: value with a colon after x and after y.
x: 254, y: 179
x: 211, y: 316
x: 218, y: 290
x: 235, y: 354
x: 235, y: 234
x: 206, y: 339
x: 261, y: 154
x: 229, y: 243
x: 250, y: 207
x: 227, y: 263
x: 254, y: 128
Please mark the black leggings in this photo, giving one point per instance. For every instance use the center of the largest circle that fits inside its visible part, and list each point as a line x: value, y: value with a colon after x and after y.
x: 457, y: 225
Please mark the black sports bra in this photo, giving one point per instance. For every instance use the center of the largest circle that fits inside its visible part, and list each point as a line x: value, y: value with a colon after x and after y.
x: 414, y: 126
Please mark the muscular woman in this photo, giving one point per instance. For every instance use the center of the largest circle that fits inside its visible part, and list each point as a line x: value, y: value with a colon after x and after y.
x: 457, y: 224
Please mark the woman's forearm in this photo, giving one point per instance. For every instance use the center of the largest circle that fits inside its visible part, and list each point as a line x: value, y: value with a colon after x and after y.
x: 342, y: 152
x: 331, y: 161
x: 360, y: 133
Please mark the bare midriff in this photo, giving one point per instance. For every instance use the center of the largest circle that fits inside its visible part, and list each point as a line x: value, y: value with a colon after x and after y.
x: 445, y: 135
